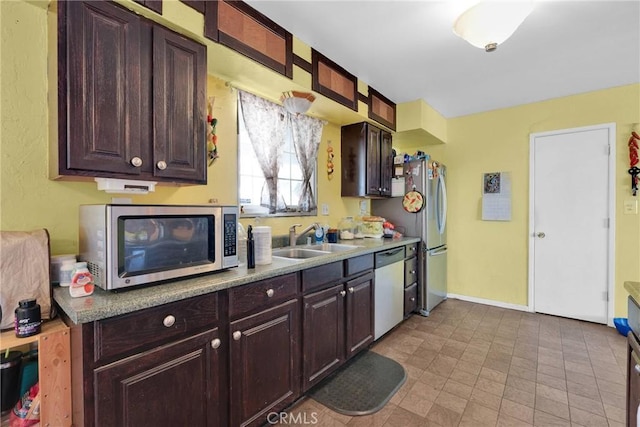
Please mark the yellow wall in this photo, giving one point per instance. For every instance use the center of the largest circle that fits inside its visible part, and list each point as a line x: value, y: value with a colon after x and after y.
x: 489, y: 259
x: 29, y: 200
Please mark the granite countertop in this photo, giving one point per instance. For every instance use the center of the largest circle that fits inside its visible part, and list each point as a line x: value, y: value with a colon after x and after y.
x: 103, y: 304
x: 634, y: 290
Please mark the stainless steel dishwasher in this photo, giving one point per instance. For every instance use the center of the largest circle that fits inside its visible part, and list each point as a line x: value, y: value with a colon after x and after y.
x: 389, y: 290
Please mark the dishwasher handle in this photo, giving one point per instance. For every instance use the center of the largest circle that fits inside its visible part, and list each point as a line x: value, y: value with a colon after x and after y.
x: 390, y: 256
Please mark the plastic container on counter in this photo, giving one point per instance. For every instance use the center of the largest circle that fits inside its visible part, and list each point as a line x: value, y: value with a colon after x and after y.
x: 56, y: 263
x: 262, y: 239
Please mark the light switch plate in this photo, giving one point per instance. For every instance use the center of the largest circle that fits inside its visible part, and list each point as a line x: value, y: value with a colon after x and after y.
x: 630, y: 207
x: 325, y: 209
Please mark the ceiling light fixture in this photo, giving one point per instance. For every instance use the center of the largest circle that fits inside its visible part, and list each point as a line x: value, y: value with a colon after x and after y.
x: 297, y: 102
x: 489, y: 23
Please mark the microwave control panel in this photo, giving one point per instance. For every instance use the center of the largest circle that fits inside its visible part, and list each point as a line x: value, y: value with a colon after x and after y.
x: 230, y: 229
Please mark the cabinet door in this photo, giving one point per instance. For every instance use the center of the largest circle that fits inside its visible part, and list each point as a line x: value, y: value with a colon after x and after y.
x: 323, y: 341
x: 359, y: 326
x: 633, y: 379
x: 174, y: 384
x: 265, y: 361
x: 386, y: 163
x: 179, y: 106
x: 100, y: 126
x: 373, y: 161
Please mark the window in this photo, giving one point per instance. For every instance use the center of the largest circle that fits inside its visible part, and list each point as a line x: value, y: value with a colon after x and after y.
x: 288, y: 146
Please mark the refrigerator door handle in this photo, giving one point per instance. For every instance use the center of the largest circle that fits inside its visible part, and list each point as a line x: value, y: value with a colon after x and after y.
x: 438, y: 252
x: 442, y: 210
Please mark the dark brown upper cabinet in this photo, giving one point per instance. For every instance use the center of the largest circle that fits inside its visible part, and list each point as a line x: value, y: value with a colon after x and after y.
x: 155, y: 5
x: 179, y: 95
x: 240, y: 27
x: 132, y: 97
x: 333, y: 81
x: 381, y: 109
x: 367, y: 161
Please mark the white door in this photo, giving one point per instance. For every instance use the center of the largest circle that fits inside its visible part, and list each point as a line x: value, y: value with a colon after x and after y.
x: 571, y: 228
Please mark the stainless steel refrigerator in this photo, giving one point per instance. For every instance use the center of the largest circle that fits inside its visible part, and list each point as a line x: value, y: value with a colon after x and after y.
x: 424, y: 178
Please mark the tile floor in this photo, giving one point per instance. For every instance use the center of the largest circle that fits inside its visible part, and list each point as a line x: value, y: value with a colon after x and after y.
x: 476, y: 365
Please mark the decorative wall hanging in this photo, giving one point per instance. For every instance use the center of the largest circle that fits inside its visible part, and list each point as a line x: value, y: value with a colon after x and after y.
x: 634, y: 170
x: 212, y: 138
x: 329, y: 161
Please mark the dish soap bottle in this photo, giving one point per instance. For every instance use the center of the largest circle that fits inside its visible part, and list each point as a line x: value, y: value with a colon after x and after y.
x: 81, y: 281
x: 319, y: 235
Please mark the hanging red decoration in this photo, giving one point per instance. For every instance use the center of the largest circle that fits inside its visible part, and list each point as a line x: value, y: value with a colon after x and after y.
x: 634, y: 171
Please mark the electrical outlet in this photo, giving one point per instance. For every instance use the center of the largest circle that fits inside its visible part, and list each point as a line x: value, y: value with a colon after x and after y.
x: 363, y: 207
x: 325, y: 209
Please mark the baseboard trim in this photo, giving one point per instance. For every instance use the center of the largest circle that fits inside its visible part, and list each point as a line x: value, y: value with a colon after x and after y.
x: 490, y: 302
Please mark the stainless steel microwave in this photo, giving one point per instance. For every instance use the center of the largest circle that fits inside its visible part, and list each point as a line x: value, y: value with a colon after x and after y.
x: 130, y: 245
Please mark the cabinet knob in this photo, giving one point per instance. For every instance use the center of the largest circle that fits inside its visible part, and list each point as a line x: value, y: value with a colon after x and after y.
x: 413, y: 299
x: 379, y: 188
x: 215, y: 343
x: 162, y: 165
x: 270, y: 293
x: 136, y: 161
x: 169, y: 321
x: 637, y: 369
x: 343, y: 293
x: 385, y: 189
x: 351, y: 290
x: 541, y: 235
x: 412, y: 248
x: 237, y: 335
x: 412, y: 272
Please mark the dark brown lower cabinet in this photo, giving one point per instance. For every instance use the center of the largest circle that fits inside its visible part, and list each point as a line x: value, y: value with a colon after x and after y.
x: 633, y: 379
x: 337, y: 323
x: 410, y: 299
x: 265, y: 363
x: 359, y: 324
x: 175, y: 384
x: 323, y: 342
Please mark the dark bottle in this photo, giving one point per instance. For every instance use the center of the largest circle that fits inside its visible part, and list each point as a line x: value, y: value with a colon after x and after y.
x: 251, y: 252
x: 27, y: 321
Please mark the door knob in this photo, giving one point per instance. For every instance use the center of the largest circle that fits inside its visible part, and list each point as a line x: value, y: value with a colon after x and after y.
x: 162, y: 165
x: 540, y: 235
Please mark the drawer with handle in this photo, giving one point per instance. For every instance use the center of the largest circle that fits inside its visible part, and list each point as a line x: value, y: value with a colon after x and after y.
x: 133, y: 332
x: 410, y: 271
x: 262, y: 294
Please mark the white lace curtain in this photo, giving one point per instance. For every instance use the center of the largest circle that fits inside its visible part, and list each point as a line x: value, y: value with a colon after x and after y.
x: 267, y: 125
x: 306, y: 133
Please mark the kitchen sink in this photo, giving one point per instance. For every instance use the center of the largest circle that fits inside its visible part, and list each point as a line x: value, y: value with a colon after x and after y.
x: 330, y: 247
x: 298, y: 253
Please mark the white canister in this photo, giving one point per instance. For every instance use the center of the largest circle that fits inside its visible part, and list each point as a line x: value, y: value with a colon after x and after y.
x: 56, y: 263
x: 66, y: 271
x: 262, y: 245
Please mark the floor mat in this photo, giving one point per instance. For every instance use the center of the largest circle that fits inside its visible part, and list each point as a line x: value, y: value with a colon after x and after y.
x: 362, y: 386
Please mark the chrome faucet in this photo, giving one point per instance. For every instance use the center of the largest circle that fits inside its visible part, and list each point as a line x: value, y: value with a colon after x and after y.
x: 292, y: 232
